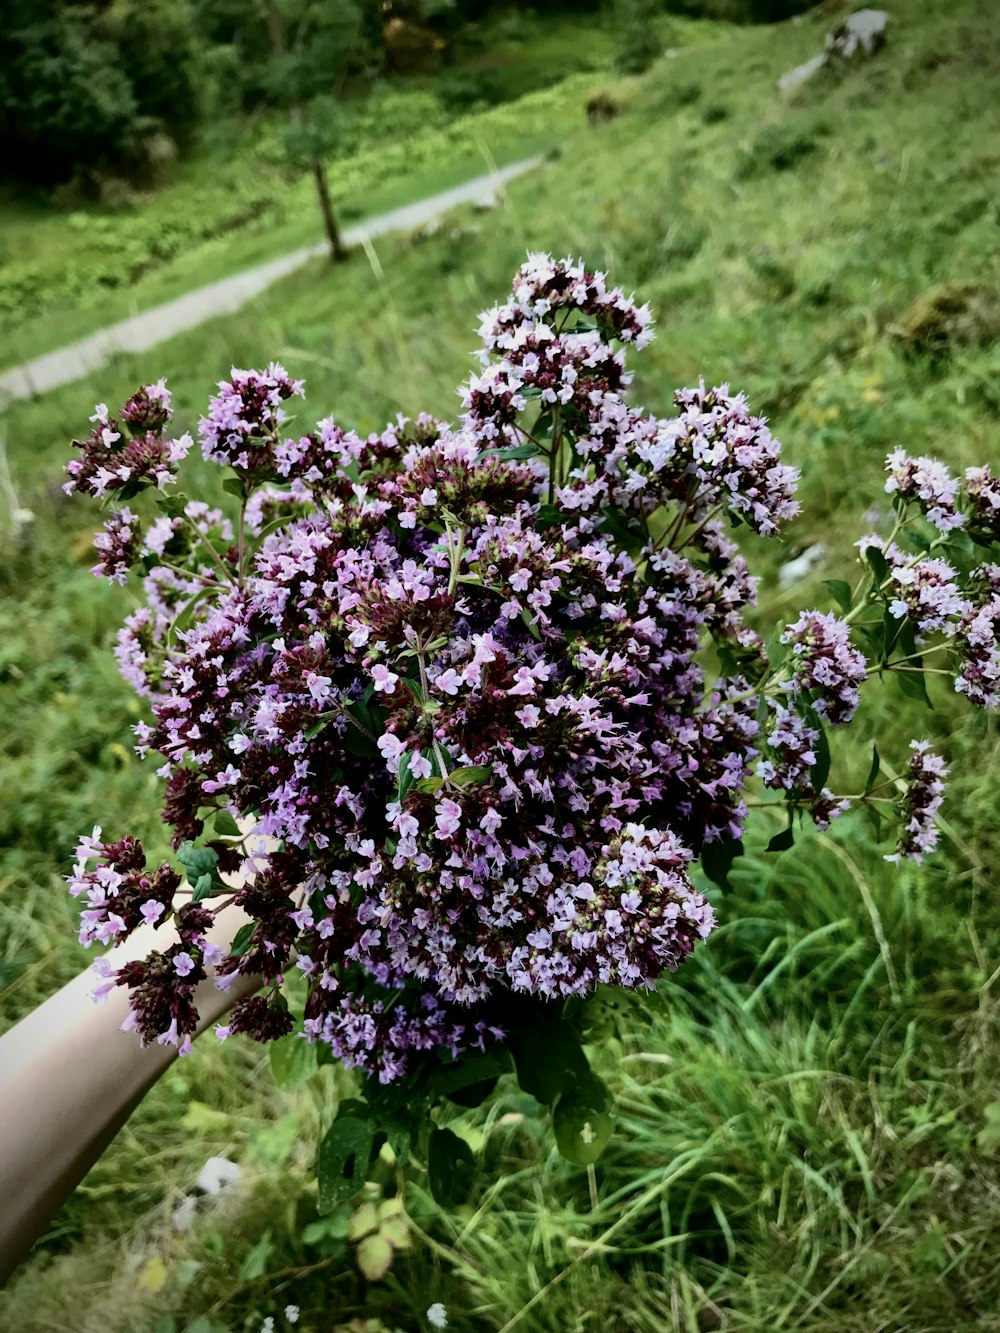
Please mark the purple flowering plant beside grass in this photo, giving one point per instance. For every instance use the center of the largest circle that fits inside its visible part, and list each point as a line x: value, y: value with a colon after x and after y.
x: 483, y: 695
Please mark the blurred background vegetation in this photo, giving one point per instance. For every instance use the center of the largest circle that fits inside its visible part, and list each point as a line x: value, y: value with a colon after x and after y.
x: 809, y: 1112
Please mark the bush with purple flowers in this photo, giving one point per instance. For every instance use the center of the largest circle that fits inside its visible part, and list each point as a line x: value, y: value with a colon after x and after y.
x: 464, y: 705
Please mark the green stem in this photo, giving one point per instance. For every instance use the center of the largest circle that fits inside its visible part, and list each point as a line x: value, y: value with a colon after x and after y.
x: 227, y: 574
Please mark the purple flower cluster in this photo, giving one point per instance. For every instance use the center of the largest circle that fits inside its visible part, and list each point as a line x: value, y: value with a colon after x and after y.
x: 927, y: 482
x: 468, y: 711
x: 921, y: 801
x: 727, y: 458
x: 455, y: 676
x: 117, y: 544
x: 977, y: 640
x: 983, y: 492
x: 825, y: 666
x: 924, y: 591
x: 122, y: 456
x: 245, y: 418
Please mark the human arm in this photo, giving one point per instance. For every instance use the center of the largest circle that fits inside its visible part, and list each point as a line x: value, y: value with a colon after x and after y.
x: 69, y: 1079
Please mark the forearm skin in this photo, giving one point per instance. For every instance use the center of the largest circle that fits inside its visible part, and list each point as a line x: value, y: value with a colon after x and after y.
x: 69, y: 1079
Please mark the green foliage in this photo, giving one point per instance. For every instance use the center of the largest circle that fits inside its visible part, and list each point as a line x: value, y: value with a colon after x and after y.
x: 120, y: 250
x: 640, y: 41
x: 779, y: 147
x: 62, y: 100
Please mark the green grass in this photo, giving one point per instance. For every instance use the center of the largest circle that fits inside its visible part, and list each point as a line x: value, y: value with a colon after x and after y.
x: 804, y: 1109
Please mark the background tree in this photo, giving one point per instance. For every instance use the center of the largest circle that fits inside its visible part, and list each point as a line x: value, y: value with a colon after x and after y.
x: 315, y: 45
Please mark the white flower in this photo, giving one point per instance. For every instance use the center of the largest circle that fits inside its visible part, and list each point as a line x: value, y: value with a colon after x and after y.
x: 437, y: 1316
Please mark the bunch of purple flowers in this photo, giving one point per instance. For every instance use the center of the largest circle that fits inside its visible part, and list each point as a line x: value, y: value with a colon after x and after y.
x: 458, y: 678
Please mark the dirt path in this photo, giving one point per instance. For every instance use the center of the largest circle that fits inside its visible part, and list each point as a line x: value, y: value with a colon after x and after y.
x: 153, y: 326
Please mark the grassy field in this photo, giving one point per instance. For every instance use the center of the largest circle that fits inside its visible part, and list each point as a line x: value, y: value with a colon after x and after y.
x: 809, y: 1112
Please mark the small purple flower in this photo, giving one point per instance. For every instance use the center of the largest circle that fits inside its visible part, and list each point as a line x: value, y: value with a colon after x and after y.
x: 921, y: 801
x: 825, y: 665
x: 117, y: 544
x: 245, y: 418
x: 983, y: 491
x: 928, y: 483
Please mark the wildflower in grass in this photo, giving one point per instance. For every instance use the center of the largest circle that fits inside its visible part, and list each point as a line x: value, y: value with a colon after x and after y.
x: 921, y: 801
x: 437, y: 1315
x: 792, y: 745
x: 825, y: 665
x: 245, y: 417
x: 148, y: 409
x: 729, y: 457
x: 983, y: 492
x: 113, y: 463
x: 925, y: 591
x: 117, y: 544
x: 977, y: 640
x: 926, y: 482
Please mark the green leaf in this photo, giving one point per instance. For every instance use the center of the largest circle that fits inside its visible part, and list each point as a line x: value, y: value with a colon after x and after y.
x: 776, y: 650
x: 548, y: 516
x: 225, y: 825
x: 582, y: 1124
x: 405, y: 779
x: 717, y: 859
x: 782, y: 841
x: 529, y: 620
x: 234, y: 486
x: 197, y: 861
x: 450, y: 1167
x: 241, y: 940
x: 548, y: 1058
x: 173, y: 505
x: 468, y: 1082
x: 875, y: 820
x: 200, y: 863
x: 202, y: 889
x: 468, y: 777
x: 873, y: 772
x: 343, y: 1160
x: 293, y: 1061
x: 374, y: 1257
x: 432, y: 784
x: 399, y: 1137
x: 255, y: 1264
x: 821, y: 768
x: 616, y: 525
x: 891, y: 631
x: 876, y: 561
x: 841, y: 593
x: 514, y: 454
x: 364, y: 726
x: 186, y: 614
x: 333, y: 1227
x: 913, y: 685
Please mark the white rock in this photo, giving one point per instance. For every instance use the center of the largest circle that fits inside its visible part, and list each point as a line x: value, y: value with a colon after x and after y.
x: 861, y: 34
x: 801, y: 74
x: 801, y: 566
x: 216, y: 1174
x: 184, y: 1214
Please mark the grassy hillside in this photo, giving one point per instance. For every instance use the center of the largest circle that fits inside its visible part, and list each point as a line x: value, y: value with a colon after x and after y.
x: 809, y: 1110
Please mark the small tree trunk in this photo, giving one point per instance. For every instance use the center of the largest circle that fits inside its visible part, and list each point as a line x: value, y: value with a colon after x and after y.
x: 338, y: 252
